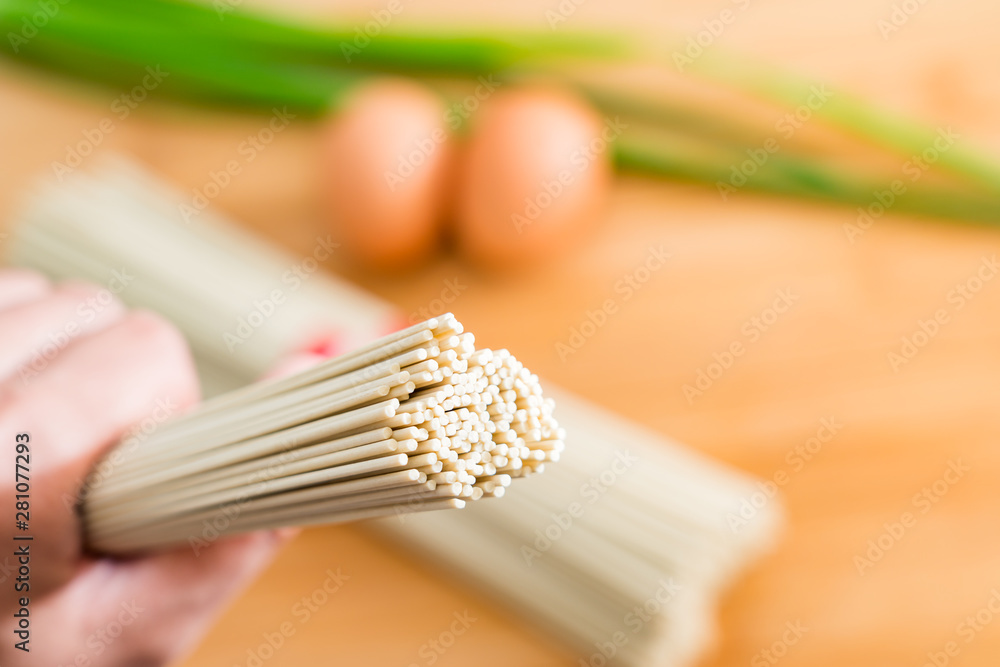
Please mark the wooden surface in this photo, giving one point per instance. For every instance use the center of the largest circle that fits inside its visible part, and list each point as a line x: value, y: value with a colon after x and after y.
x: 826, y: 358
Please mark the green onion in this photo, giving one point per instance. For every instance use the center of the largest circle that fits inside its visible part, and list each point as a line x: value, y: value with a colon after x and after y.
x: 255, y: 61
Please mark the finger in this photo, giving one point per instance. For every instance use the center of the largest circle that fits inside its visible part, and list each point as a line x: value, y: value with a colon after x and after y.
x: 85, y: 400
x: 18, y: 286
x: 190, y: 587
x: 152, y: 610
x: 294, y: 364
x: 319, y: 350
x: 33, y: 334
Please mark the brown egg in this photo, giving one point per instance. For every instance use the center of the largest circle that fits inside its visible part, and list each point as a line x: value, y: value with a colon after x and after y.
x: 388, y: 158
x: 534, y: 175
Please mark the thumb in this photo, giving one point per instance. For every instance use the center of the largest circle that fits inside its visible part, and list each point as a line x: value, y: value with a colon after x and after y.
x: 319, y: 351
x: 152, y: 610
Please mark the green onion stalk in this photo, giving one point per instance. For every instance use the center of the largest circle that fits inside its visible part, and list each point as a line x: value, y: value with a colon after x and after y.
x: 232, y: 57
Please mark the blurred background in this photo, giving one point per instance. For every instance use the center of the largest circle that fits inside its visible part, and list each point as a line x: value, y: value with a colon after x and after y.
x: 829, y: 321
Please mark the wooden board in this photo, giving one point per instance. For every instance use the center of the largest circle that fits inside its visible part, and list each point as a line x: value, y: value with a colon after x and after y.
x: 826, y: 358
